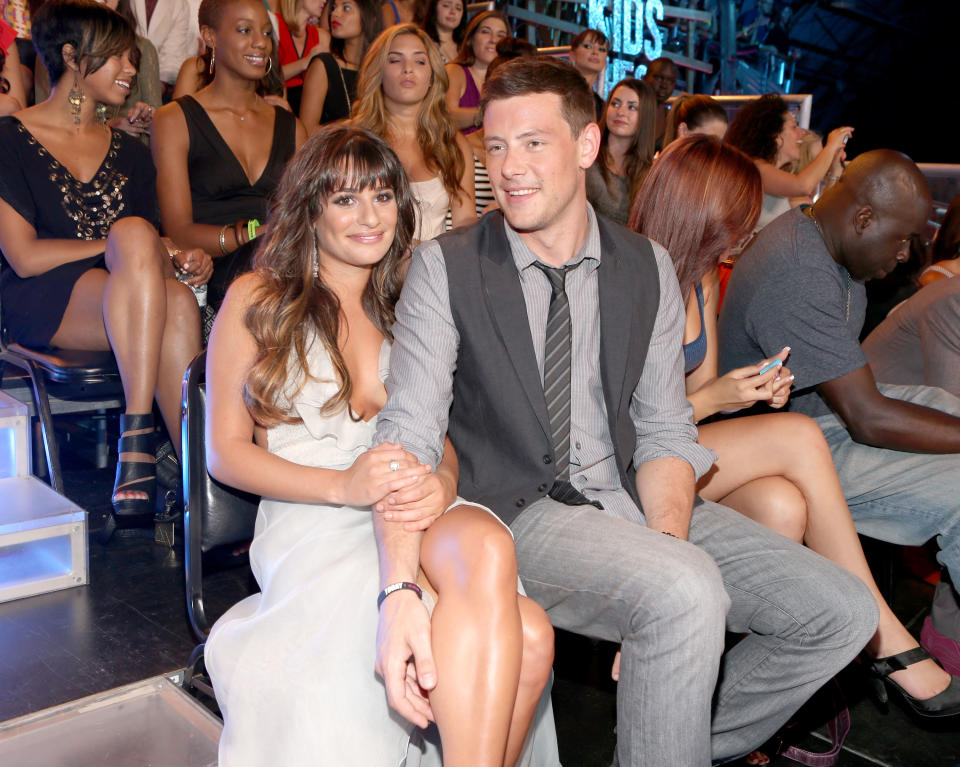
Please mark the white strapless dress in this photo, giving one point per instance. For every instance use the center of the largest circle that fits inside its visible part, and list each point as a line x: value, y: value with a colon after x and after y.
x: 293, y: 666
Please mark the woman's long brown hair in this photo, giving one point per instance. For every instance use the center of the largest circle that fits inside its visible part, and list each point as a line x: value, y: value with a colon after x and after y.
x: 292, y: 308
x: 436, y: 132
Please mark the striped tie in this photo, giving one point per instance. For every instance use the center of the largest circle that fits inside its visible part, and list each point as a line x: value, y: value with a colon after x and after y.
x: 556, y: 384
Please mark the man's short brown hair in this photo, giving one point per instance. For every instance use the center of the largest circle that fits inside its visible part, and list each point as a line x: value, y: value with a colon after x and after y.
x: 543, y: 74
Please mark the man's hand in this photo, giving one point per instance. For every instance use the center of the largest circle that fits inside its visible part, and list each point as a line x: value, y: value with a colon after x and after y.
x: 404, y: 656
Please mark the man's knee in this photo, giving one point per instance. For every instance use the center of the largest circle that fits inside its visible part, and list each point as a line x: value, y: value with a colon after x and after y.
x: 846, y: 610
x: 692, y: 597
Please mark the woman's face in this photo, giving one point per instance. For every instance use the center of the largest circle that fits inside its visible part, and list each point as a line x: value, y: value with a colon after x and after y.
x: 490, y: 32
x: 590, y: 56
x: 406, y: 72
x: 243, y: 39
x: 345, y: 20
x: 112, y: 82
x: 314, y: 8
x: 789, y: 140
x: 448, y: 15
x: 355, y: 229
x: 623, y: 114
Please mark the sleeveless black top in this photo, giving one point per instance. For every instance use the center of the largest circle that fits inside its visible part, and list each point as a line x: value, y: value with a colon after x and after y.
x: 220, y: 190
x: 341, y: 89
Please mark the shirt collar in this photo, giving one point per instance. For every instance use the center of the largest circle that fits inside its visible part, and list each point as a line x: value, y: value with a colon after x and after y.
x: 523, y: 257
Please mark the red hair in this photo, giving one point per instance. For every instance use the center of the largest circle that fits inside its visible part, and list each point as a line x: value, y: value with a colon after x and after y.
x: 699, y: 199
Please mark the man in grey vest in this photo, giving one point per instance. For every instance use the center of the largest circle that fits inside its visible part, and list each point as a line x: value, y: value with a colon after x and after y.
x: 547, y: 342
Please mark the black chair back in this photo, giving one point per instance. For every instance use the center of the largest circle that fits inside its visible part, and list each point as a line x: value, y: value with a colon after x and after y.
x: 215, y: 515
x: 89, y: 377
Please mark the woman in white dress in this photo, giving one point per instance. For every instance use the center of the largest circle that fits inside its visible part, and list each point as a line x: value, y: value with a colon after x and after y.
x: 401, y: 98
x: 295, y: 372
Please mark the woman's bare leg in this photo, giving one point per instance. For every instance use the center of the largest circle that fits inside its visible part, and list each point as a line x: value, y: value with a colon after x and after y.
x: 137, y: 310
x: 535, y: 666
x: 478, y: 636
x: 792, y: 446
x: 180, y: 344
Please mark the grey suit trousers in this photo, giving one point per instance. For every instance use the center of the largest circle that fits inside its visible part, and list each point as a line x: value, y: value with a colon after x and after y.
x: 669, y: 601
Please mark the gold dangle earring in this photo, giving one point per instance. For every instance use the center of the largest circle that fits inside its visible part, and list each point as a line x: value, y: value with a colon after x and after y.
x: 101, y: 111
x: 76, y: 98
x: 316, y: 257
x: 213, y: 58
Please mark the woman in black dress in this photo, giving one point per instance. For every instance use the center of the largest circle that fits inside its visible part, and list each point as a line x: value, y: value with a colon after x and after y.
x: 221, y: 152
x: 330, y: 83
x: 83, y: 267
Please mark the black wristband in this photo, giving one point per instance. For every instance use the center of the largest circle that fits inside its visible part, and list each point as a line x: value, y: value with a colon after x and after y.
x: 398, y: 587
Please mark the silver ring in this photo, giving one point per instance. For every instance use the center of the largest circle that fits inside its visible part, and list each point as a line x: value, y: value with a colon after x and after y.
x: 394, y: 465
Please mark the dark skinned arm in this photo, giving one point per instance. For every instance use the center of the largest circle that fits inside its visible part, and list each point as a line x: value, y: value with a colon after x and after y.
x: 873, y: 419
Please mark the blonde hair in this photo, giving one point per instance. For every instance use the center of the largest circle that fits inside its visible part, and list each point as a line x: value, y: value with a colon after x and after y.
x: 288, y: 12
x: 436, y: 132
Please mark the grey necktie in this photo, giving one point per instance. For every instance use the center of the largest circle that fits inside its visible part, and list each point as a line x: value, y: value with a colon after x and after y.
x: 556, y: 383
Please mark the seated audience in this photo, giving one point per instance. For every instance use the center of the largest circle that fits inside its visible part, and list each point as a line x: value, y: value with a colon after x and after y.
x: 661, y: 75
x: 626, y: 149
x: 299, y: 39
x: 588, y: 54
x: 401, y: 12
x: 135, y: 115
x: 83, y: 267
x: 13, y: 97
x: 946, y: 248
x: 700, y: 199
x: 220, y: 154
x: 295, y: 379
x: 166, y: 24
x: 446, y: 23
x: 330, y: 84
x: 468, y: 71
x: 507, y: 49
x: 570, y: 473
x: 768, y: 132
x: 895, y: 448
x: 401, y: 99
x: 695, y: 114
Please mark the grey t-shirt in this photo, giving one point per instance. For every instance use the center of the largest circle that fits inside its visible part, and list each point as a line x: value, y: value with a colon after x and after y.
x: 919, y: 342
x: 786, y: 290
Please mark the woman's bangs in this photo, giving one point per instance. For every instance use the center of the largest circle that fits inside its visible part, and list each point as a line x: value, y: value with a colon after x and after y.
x: 361, y: 166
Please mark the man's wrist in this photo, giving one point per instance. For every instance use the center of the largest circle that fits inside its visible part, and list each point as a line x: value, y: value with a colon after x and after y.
x: 398, y: 587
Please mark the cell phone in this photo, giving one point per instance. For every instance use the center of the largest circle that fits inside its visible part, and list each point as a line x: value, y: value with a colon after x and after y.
x: 770, y: 366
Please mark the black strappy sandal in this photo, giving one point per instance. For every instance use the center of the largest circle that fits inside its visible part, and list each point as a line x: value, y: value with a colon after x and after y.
x: 135, y: 476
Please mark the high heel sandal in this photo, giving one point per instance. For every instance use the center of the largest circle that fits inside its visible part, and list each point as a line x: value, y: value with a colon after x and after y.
x: 135, y: 476
x: 943, y: 704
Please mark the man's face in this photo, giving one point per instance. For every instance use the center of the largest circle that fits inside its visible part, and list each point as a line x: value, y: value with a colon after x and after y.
x: 882, y: 237
x: 536, y: 165
x: 662, y: 77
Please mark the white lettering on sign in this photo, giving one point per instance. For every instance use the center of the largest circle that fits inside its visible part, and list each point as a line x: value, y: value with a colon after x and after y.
x: 632, y: 29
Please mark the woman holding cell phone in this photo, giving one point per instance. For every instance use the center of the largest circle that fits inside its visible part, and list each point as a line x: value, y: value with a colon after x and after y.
x: 699, y: 200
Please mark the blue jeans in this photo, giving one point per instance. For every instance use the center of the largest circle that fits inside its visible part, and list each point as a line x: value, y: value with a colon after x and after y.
x: 669, y: 601
x: 901, y: 497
